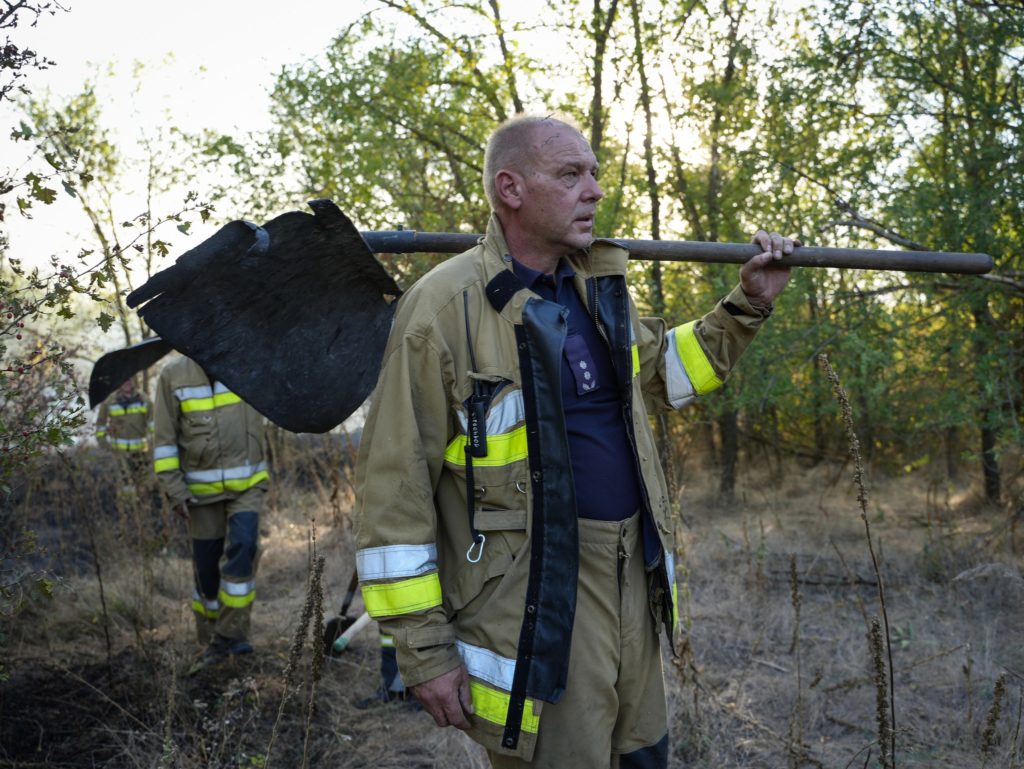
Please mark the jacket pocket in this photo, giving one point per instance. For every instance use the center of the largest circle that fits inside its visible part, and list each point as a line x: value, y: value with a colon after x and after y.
x: 198, y: 424
x: 505, y: 541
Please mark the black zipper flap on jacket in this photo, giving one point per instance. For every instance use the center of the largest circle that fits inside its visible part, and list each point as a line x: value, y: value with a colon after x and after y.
x: 542, y: 660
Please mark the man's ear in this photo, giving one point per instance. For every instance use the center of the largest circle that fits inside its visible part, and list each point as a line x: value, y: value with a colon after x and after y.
x: 508, y: 186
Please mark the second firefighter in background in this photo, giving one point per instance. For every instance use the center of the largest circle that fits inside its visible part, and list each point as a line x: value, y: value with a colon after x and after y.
x: 209, y: 456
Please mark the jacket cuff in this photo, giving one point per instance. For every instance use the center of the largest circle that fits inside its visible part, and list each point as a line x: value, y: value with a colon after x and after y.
x: 738, y: 303
x: 175, y: 489
x: 425, y: 653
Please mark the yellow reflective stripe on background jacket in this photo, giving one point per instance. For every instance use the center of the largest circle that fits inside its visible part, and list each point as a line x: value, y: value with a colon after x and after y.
x: 123, y: 425
x: 411, y: 470
x: 208, y: 443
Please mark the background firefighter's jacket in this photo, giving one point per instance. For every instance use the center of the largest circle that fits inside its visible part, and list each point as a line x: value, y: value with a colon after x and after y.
x: 208, y: 443
x: 123, y: 423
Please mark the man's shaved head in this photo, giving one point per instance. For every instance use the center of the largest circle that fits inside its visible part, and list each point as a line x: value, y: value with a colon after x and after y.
x: 510, y: 147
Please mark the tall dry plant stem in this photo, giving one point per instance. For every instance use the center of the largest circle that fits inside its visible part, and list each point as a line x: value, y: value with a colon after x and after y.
x: 316, y: 591
x: 796, y: 729
x: 988, y: 736
x: 72, y: 474
x: 886, y: 757
x: 862, y: 499
x: 169, y: 757
x: 1015, y: 747
x: 298, y: 642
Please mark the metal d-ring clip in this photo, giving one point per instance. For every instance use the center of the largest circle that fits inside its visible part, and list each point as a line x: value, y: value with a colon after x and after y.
x: 479, y: 540
x: 520, y: 487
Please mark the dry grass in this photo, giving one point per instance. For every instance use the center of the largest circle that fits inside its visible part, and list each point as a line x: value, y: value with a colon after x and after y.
x: 776, y: 671
x: 742, y: 636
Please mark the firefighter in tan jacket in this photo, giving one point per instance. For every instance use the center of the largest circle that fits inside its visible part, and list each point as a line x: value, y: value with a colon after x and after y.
x: 513, y: 527
x: 123, y: 422
x: 209, y: 458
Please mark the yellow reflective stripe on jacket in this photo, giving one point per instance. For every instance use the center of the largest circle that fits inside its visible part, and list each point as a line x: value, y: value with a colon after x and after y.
x: 688, y: 373
x: 165, y: 458
x: 503, y: 449
x: 634, y: 350
x: 699, y: 369
x: 237, y: 595
x: 230, y: 484
x: 492, y: 705
x: 675, y: 605
x: 491, y: 677
x: 487, y: 665
x: 129, y: 444
x: 389, y: 599
x: 205, y: 398
x: 216, y: 401
x: 207, y: 609
x: 101, y: 431
x: 117, y: 411
x: 387, y: 641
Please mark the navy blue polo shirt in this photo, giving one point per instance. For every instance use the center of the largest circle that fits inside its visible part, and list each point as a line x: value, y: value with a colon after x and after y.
x: 603, y: 467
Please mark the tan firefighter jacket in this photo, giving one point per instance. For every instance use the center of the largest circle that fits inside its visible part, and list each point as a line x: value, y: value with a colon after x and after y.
x: 123, y: 423
x: 208, y: 443
x: 424, y: 555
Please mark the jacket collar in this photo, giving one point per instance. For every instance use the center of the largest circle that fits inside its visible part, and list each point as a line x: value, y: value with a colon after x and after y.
x: 604, y: 257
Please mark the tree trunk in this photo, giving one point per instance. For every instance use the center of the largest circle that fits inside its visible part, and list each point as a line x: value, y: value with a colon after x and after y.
x: 989, y: 460
x: 602, y: 25
x: 952, y: 455
x: 988, y: 418
x: 728, y: 427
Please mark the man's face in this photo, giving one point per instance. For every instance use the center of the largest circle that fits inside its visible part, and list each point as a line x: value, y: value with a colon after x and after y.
x: 126, y: 389
x: 560, y: 190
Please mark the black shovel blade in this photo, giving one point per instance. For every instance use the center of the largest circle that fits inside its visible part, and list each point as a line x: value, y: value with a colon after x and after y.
x: 334, y: 628
x: 115, y: 368
x: 292, y: 316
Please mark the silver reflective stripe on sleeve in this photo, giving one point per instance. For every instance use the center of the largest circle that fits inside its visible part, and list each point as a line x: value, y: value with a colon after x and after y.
x: 487, y: 665
x: 392, y: 561
x: 163, y: 452
x: 190, y: 393
x: 680, y: 389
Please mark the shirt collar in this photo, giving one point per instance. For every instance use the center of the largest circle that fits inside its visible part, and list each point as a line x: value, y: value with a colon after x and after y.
x: 530, y: 277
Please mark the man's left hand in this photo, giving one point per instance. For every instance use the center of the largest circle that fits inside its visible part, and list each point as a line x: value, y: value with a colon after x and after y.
x: 763, y: 277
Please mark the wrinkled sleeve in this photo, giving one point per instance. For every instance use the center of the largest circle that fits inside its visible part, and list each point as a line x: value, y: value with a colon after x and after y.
x: 400, y: 460
x: 681, y: 364
x: 166, y: 462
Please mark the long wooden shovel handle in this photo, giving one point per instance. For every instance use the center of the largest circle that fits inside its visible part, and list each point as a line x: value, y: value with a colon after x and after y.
x: 411, y: 241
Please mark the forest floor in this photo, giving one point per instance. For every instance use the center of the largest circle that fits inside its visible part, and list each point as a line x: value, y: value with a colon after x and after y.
x: 778, y: 594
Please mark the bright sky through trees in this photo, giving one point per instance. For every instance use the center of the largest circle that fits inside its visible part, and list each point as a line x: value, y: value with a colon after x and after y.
x: 206, y: 65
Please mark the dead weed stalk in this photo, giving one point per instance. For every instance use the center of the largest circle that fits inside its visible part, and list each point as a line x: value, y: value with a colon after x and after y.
x: 887, y: 734
x: 312, y: 608
x: 988, y: 736
x: 796, y: 724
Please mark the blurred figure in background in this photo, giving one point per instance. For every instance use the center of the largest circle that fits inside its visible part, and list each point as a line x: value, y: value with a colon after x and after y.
x: 209, y: 456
